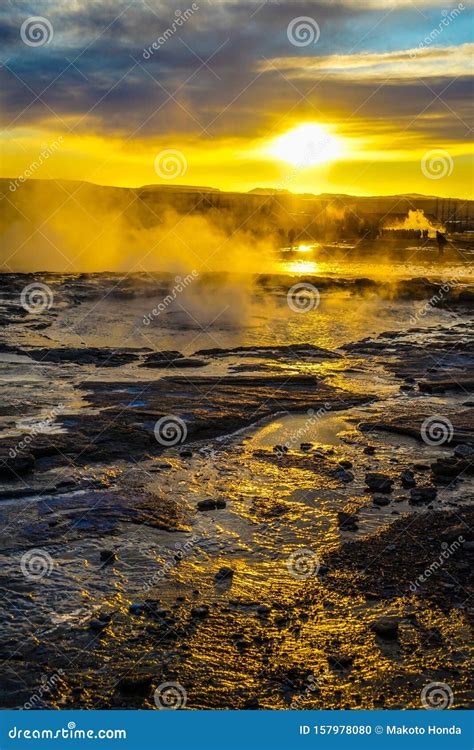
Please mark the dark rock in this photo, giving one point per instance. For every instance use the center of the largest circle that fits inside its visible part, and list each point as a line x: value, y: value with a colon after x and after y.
x: 98, y: 625
x: 380, y: 500
x: 420, y: 495
x: 347, y: 521
x: 263, y: 610
x: 200, y: 612
x: 107, y: 555
x: 340, y: 661
x: 223, y: 575
x: 407, y: 479
x: 386, y: 628
x: 378, y: 482
x: 139, y: 684
x: 369, y: 450
x: 345, y: 464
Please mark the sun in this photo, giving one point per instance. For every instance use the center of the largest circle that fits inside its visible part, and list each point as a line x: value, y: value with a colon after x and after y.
x: 306, y: 145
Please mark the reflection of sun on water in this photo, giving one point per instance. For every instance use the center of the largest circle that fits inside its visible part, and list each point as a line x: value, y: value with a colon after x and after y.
x: 301, y: 266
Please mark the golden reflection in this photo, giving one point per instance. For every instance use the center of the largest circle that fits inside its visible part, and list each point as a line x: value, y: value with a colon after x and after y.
x: 301, y: 266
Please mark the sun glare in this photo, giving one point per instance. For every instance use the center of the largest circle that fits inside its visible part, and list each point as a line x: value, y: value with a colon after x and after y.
x: 306, y: 145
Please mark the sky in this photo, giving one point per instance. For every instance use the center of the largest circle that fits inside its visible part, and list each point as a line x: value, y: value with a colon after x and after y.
x: 366, y: 97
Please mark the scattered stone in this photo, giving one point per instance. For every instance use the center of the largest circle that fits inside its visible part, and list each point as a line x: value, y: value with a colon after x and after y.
x: 107, y: 556
x: 420, y: 495
x: 263, y: 610
x: 98, y: 625
x: 306, y: 446
x: 369, y: 450
x: 135, y: 684
x: 223, y: 575
x: 136, y: 609
x: 200, y: 612
x: 347, y: 521
x: 186, y: 453
x: 407, y: 479
x: 211, y: 504
x: 378, y: 482
x: 386, y: 628
x: 380, y: 500
x: 343, y: 475
x: 464, y: 451
x: 345, y: 464
x: 340, y: 661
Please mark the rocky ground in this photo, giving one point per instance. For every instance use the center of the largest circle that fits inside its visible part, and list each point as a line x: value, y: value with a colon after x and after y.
x: 298, y: 535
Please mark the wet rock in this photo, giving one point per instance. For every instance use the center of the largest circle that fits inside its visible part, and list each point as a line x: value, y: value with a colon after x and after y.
x: 224, y: 575
x: 369, y: 450
x: 263, y: 610
x: 211, y: 504
x: 407, y: 479
x: 16, y: 466
x: 343, y: 475
x: 107, y: 555
x: 97, y: 625
x: 378, y: 482
x: 345, y: 464
x: 251, y: 704
x: 381, y: 500
x: 347, y: 521
x: 386, y: 628
x: 139, y: 684
x: 200, y: 612
x: 464, y: 451
x: 136, y: 609
x: 340, y: 661
x: 421, y: 495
